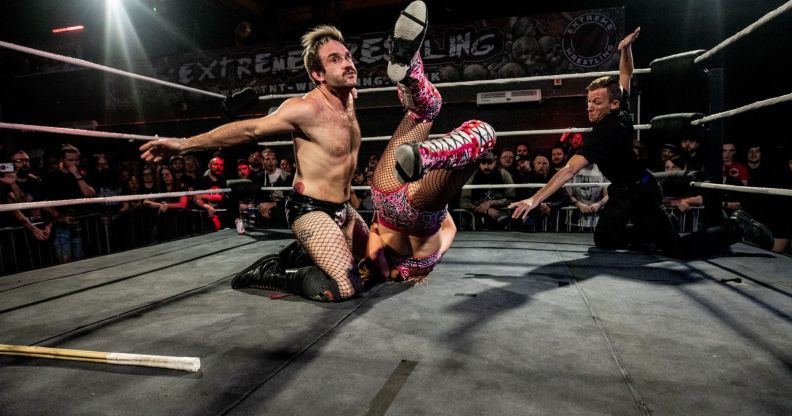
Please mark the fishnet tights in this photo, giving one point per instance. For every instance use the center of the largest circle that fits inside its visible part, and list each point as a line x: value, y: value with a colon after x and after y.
x: 436, y: 188
x: 334, y: 249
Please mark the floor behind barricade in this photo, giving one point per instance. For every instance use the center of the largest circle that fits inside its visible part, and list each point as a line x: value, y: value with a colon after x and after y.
x: 508, y: 324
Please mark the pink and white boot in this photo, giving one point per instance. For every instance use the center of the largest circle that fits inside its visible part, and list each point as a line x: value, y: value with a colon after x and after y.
x: 462, y: 146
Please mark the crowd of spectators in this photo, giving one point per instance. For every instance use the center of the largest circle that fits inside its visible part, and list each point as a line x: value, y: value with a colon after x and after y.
x: 745, y: 163
x: 748, y: 165
x: 521, y: 166
x: 71, y: 174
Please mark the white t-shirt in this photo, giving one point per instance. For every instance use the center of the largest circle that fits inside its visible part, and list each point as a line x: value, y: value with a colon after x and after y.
x: 588, y: 194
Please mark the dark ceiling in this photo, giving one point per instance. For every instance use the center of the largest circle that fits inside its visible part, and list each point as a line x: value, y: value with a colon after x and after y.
x: 208, y: 24
x: 165, y: 27
x: 172, y: 26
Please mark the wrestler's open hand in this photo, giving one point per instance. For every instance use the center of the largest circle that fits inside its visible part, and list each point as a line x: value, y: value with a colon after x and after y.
x: 156, y: 150
x: 40, y: 234
x: 629, y: 39
x: 584, y: 209
x: 264, y: 209
x: 522, y: 208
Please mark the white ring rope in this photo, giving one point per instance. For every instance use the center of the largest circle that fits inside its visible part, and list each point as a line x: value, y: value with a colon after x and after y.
x: 482, y: 82
x: 555, y: 131
x: 750, y: 107
x: 104, y: 199
x: 492, y: 186
x: 743, y: 109
x: 533, y: 185
x: 124, y: 136
x: 78, y: 132
x: 743, y: 189
x: 86, y: 64
x: 734, y: 38
x: 125, y: 198
x: 499, y: 134
x: 539, y: 78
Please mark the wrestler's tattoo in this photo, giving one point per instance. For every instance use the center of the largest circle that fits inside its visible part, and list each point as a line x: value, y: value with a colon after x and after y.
x: 299, y: 187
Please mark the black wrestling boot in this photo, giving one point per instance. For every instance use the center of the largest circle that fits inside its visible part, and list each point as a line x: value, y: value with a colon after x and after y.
x: 294, y: 256
x: 265, y: 273
x: 408, y: 36
x: 753, y: 231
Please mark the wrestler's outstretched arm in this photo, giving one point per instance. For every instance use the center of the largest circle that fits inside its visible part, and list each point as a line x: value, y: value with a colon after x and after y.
x: 626, y: 66
x: 564, y: 175
x: 292, y: 113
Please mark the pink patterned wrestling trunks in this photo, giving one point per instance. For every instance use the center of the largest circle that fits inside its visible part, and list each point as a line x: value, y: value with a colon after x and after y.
x: 410, y: 267
x: 395, y: 211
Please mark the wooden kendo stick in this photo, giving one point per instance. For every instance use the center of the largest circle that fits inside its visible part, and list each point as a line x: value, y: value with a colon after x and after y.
x: 192, y: 364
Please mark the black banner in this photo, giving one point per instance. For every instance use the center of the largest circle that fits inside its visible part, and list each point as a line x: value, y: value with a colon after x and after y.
x: 552, y: 43
x: 544, y: 44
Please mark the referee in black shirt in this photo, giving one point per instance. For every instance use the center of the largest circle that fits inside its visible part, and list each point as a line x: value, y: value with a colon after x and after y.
x: 634, y: 193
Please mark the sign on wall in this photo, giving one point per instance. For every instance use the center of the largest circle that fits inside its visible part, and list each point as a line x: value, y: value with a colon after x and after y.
x: 543, y: 44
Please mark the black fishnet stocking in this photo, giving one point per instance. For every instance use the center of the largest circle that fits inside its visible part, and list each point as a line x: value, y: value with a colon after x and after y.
x: 436, y: 188
x: 334, y: 249
x: 408, y: 132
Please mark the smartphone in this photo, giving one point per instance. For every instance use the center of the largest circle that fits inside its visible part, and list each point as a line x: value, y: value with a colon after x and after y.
x: 6, y: 167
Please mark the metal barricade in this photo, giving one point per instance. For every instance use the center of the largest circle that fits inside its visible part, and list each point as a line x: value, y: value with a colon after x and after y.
x: 20, y: 251
x: 688, y: 220
x: 461, y: 221
x: 99, y: 234
x: 573, y: 218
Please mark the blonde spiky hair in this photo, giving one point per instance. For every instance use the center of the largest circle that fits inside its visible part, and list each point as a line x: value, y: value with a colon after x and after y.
x: 312, y: 41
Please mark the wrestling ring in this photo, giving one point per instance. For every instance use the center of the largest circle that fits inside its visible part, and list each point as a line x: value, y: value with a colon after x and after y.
x: 508, y: 323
